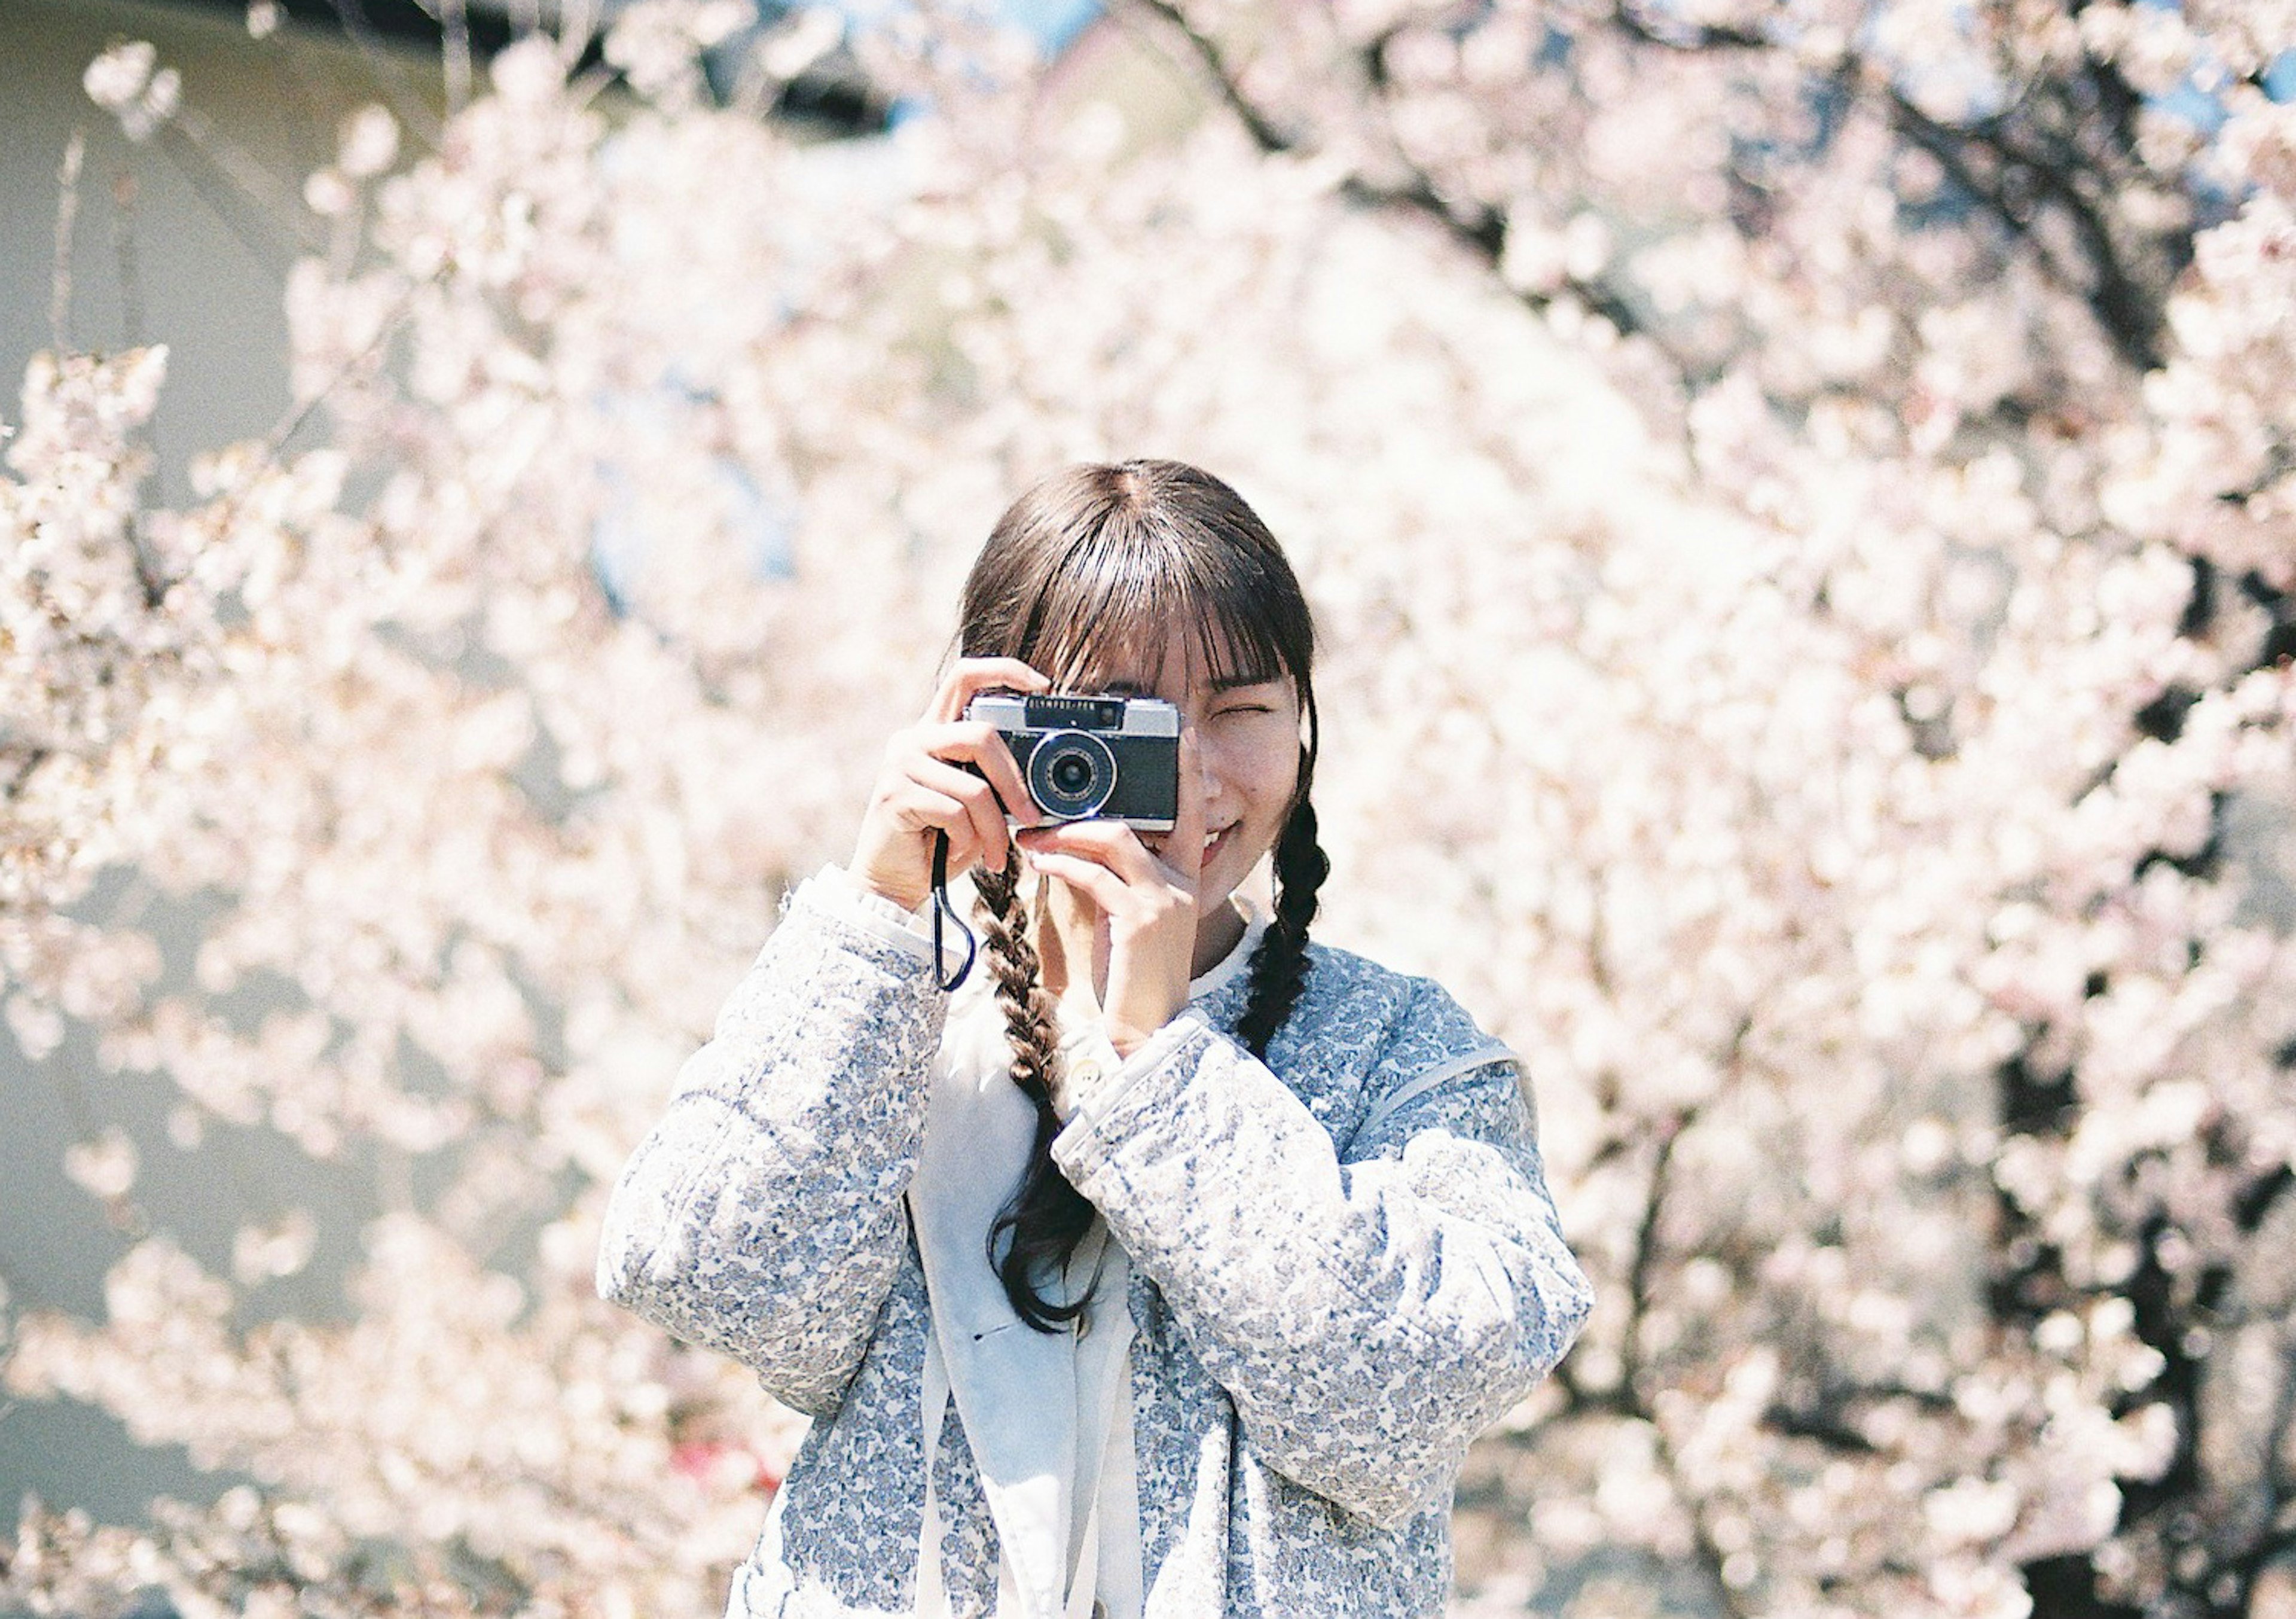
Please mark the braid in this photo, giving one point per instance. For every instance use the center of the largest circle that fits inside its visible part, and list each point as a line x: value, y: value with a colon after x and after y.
x: 1279, y: 965
x: 1046, y: 1217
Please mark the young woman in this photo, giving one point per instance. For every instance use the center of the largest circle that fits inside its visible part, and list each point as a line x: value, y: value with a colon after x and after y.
x: 1165, y: 1268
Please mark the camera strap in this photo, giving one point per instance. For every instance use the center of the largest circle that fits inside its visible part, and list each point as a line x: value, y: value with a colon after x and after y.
x: 942, y: 909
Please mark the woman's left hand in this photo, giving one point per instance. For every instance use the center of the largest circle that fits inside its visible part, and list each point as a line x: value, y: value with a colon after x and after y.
x: 1140, y: 906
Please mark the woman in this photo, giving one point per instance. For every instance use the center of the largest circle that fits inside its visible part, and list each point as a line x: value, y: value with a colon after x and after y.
x: 1192, y: 1255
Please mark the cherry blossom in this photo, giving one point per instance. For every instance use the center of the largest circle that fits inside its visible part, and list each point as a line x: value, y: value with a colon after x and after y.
x: 1795, y: 497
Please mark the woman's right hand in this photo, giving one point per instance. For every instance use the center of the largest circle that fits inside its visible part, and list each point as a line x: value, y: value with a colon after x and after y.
x: 922, y: 789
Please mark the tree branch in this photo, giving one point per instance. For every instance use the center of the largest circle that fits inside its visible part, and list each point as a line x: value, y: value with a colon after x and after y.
x: 2129, y: 316
x: 1480, y: 227
x: 1212, y: 56
x: 1680, y: 36
x: 2129, y: 311
x: 1630, y: 1353
x: 60, y: 283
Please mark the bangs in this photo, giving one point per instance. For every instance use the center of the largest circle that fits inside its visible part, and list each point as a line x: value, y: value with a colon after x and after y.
x: 1116, y: 606
x: 1089, y: 573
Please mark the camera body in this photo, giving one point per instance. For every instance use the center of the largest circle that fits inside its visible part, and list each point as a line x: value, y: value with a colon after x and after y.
x: 1093, y: 758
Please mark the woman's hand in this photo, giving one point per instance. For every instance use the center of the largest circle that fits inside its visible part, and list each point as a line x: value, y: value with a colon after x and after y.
x: 922, y: 788
x: 1127, y: 917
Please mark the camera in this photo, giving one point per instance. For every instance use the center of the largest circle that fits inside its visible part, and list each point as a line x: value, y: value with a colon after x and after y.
x: 1084, y: 758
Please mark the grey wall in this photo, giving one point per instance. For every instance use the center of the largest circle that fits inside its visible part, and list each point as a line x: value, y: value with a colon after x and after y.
x: 197, y: 257
x: 188, y: 245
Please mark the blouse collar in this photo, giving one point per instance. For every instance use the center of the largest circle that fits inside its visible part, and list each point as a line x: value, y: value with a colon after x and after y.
x: 1238, y: 957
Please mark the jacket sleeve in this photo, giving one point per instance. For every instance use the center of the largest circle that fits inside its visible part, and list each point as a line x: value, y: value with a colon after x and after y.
x: 1371, y: 1311
x: 762, y: 1215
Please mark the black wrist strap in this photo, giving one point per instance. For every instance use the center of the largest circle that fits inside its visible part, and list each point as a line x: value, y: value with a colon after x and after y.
x: 942, y: 909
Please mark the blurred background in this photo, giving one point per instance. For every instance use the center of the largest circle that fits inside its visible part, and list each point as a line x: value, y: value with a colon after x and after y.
x: 1796, y: 495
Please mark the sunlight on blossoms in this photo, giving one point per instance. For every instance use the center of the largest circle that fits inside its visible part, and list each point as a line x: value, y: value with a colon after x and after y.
x: 1798, y: 506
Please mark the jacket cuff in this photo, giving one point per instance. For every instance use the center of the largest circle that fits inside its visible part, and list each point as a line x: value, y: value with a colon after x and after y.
x: 836, y: 894
x: 1099, y: 1087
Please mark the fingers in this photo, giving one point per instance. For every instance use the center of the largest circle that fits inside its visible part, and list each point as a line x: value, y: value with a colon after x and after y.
x: 973, y: 676
x: 914, y: 807
x: 893, y: 852
x: 1146, y: 925
x: 964, y: 806
x: 1095, y: 880
x: 1110, y: 845
x: 945, y: 774
x: 977, y: 743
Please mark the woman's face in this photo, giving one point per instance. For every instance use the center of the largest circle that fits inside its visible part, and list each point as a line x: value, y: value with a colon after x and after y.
x: 1247, y: 740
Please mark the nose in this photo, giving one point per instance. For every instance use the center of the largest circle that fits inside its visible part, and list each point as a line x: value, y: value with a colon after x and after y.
x: 1211, y: 775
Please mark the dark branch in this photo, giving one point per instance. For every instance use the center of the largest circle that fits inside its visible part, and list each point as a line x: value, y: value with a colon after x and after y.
x: 1630, y: 1353
x: 33, y: 758
x: 1680, y: 36
x: 1478, y: 226
x: 1212, y: 57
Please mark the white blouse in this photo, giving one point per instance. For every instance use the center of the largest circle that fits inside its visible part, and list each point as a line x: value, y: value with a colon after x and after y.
x: 1049, y: 1415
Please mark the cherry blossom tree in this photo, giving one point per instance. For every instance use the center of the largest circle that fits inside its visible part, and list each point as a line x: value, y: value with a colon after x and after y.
x: 1795, y: 496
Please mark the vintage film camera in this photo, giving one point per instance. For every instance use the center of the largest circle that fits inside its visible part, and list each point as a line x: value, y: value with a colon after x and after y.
x: 1084, y: 758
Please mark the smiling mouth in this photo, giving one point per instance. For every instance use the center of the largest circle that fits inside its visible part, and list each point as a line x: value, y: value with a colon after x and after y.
x: 1212, y: 841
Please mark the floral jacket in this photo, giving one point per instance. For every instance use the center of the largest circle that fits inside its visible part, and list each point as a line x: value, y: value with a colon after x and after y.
x: 1345, y: 1266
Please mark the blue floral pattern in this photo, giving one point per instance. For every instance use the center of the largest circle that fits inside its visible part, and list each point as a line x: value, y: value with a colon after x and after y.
x: 1346, y: 1266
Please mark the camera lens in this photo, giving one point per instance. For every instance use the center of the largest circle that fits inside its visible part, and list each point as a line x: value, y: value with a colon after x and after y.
x: 1071, y: 774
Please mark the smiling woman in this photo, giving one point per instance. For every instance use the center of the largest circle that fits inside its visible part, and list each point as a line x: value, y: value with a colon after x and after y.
x: 1173, y: 1274
x: 1249, y: 776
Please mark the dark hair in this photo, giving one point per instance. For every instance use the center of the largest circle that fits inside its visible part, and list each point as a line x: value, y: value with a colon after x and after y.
x: 1104, y: 559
